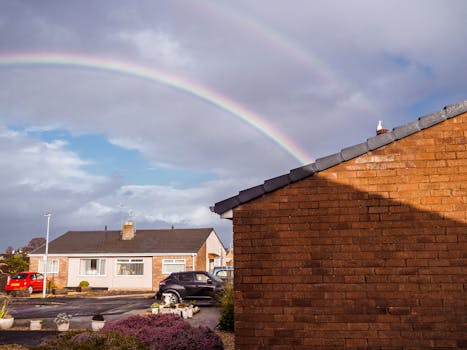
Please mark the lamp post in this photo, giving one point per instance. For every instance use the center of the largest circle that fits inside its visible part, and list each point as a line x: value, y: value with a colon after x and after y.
x: 44, y: 286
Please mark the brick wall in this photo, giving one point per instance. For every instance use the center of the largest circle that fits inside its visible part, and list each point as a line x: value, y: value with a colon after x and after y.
x: 369, y: 254
x: 60, y: 278
x: 201, y: 258
x: 157, y: 274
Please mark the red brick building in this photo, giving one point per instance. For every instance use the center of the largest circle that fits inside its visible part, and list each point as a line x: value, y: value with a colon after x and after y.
x: 363, y: 249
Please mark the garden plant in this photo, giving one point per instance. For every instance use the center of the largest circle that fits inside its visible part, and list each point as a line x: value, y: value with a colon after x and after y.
x: 166, y: 332
x: 92, y: 341
x: 226, y: 322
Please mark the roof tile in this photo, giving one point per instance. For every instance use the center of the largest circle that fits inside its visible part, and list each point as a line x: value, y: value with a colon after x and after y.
x: 276, y: 182
x: 250, y: 193
x: 354, y: 151
x: 226, y: 204
x: 145, y: 241
x: 329, y: 161
x: 431, y: 119
x: 380, y: 140
x: 303, y: 172
x: 405, y: 130
x: 456, y: 109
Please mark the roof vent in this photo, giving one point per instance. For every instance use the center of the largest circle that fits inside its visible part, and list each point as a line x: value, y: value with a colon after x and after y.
x: 379, y: 129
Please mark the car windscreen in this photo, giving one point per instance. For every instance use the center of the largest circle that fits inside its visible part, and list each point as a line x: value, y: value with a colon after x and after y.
x: 214, y: 278
x: 19, y: 276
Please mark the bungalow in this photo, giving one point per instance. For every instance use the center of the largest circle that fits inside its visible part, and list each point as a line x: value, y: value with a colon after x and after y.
x: 128, y: 259
x: 362, y: 249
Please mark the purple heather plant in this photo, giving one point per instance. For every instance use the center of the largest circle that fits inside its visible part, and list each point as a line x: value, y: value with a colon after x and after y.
x: 166, y: 332
x: 92, y: 340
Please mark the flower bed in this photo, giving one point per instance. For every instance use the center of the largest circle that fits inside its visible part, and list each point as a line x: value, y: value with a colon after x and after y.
x: 166, y: 332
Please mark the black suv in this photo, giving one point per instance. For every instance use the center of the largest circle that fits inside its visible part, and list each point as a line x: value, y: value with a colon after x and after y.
x: 200, y: 285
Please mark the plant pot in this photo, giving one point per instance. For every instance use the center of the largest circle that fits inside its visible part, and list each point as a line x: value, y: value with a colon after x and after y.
x: 6, y: 323
x: 155, y: 310
x: 185, y: 313
x: 35, y: 325
x: 57, y: 291
x: 63, y: 327
x: 165, y: 310
x: 97, y: 325
x: 177, y: 311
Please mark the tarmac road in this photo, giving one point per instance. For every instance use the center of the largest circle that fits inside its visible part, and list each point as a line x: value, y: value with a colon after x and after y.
x: 77, y: 307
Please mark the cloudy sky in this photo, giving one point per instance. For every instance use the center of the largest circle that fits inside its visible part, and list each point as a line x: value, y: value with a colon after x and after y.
x: 155, y: 110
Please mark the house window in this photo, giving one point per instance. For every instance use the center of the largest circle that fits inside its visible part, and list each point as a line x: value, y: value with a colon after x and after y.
x: 52, y: 266
x: 173, y: 265
x: 134, y: 267
x: 92, y: 267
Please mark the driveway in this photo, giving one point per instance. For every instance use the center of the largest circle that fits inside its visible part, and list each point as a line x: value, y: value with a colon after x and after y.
x: 82, y: 310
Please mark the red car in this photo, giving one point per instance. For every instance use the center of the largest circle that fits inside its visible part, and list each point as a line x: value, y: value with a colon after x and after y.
x: 27, y: 280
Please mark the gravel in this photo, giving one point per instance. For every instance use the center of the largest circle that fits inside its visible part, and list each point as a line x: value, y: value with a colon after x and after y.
x: 228, y: 339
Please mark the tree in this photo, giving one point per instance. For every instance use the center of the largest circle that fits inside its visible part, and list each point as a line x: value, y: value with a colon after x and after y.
x: 15, y: 263
x: 9, y: 250
x: 33, y: 244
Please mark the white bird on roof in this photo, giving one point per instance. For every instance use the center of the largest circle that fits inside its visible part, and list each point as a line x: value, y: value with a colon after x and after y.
x: 380, y: 126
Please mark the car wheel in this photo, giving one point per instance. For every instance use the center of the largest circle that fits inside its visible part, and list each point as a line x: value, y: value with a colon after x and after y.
x: 30, y: 290
x: 173, y: 298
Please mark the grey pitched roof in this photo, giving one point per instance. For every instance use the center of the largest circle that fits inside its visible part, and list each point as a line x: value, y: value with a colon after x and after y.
x: 340, y: 157
x: 145, y: 241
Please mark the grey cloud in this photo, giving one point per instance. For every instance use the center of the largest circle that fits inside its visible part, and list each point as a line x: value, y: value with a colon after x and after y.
x: 323, y: 73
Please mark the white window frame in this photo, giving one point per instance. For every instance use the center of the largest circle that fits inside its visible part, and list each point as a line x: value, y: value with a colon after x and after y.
x: 172, y: 262
x: 130, y: 261
x: 52, y: 266
x: 100, y: 267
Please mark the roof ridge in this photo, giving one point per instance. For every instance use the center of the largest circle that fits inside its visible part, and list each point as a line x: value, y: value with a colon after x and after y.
x: 344, y: 155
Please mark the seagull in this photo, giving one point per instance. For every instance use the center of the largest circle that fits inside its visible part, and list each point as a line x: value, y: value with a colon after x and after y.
x: 380, y: 126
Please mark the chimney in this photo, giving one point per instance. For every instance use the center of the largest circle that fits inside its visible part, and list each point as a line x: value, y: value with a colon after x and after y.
x: 128, y: 231
x: 379, y: 129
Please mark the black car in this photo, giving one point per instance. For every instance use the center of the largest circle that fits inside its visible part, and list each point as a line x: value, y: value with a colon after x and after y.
x: 192, y: 285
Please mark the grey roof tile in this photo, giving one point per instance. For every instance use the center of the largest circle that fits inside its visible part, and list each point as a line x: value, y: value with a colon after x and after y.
x: 456, y: 109
x: 250, y: 193
x: 226, y: 204
x: 276, y: 182
x: 431, y: 119
x: 380, y: 140
x: 354, y: 151
x: 337, y: 158
x: 302, y: 172
x: 329, y: 161
x: 405, y: 130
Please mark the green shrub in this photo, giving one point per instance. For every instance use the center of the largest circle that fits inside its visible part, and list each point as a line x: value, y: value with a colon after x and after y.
x: 226, y: 322
x: 83, y: 284
x: 92, y: 341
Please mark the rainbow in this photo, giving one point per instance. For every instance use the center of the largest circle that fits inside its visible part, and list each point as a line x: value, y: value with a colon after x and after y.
x: 287, y: 46
x: 154, y: 75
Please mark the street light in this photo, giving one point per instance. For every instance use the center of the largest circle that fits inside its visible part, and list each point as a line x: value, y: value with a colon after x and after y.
x: 44, y: 286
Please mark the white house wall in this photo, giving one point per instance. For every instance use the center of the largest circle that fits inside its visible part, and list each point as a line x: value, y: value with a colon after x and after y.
x: 214, y: 246
x: 111, y: 280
